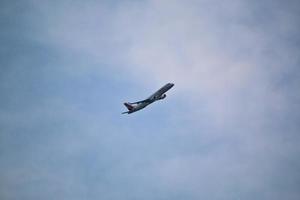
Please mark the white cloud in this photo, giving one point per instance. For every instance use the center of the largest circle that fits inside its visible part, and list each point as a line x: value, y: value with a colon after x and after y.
x: 230, y: 62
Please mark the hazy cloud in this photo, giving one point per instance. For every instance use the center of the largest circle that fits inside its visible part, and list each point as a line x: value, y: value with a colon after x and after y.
x: 228, y: 130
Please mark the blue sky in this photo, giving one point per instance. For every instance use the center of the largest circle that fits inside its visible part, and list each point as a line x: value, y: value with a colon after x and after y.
x: 229, y: 129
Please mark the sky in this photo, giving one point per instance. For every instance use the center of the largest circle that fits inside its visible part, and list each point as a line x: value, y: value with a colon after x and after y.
x: 228, y: 129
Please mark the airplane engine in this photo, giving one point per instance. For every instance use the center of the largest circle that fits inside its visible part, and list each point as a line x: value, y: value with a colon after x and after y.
x: 162, y: 96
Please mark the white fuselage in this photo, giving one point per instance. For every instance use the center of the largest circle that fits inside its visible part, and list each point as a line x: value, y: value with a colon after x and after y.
x: 139, y: 107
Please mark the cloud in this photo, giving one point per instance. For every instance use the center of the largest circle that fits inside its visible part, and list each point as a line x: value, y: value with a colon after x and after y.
x: 230, y: 127
x: 223, y: 54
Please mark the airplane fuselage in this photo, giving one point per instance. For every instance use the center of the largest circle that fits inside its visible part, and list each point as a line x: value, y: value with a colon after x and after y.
x: 139, y: 107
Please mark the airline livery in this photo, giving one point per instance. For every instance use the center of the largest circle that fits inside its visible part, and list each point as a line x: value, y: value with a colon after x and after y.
x: 158, y: 95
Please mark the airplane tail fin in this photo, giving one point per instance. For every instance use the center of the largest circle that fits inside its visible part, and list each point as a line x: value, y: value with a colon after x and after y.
x: 128, y: 106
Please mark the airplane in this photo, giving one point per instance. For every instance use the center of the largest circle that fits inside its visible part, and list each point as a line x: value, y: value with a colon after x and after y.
x: 158, y: 95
